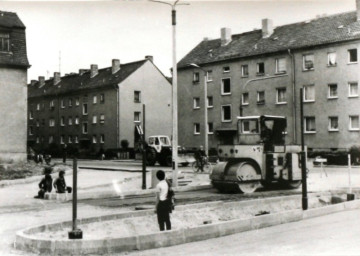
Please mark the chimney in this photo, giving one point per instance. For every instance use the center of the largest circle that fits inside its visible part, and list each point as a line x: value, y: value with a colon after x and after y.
x: 41, y: 81
x: 33, y: 82
x: 225, y: 36
x: 56, y: 78
x: 115, y: 66
x: 82, y: 71
x: 267, y: 28
x: 149, y: 57
x: 358, y: 9
x: 93, y: 70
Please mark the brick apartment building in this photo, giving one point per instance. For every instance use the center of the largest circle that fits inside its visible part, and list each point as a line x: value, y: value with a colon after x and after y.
x: 261, y: 72
x: 13, y: 88
x: 98, y: 108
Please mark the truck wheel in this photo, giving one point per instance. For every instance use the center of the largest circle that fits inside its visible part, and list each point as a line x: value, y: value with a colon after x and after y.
x: 246, y: 174
x: 291, y: 184
x: 150, y: 157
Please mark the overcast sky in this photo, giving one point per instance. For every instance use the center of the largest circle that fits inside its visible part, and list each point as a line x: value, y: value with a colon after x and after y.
x: 95, y: 32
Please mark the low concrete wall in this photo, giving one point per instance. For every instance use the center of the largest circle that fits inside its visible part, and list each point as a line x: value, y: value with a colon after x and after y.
x: 26, y: 241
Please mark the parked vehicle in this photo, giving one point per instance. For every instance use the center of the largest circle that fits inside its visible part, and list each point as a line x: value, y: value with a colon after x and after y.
x: 261, y: 157
x: 159, y: 150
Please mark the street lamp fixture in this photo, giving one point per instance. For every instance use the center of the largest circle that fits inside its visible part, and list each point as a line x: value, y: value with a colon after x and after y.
x: 206, y: 137
x: 174, y: 91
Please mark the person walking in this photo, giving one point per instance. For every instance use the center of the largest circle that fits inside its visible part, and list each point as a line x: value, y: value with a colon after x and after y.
x: 163, y: 207
x: 200, y: 158
x: 45, y: 184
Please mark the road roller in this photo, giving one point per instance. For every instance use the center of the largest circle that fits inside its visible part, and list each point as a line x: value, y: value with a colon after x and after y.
x: 260, y: 157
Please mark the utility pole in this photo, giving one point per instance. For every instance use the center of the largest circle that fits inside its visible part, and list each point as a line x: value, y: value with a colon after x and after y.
x: 303, y: 155
x: 174, y: 93
x: 144, y: 152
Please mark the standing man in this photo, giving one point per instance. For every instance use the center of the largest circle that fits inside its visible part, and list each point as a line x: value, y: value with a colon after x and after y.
x: 199, y: 156
x: 162, y: 207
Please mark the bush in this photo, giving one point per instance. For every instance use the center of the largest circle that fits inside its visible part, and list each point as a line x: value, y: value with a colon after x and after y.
x: 355, y: 154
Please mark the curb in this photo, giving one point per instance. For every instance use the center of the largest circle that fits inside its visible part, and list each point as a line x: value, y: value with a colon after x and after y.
x: 25, y: 241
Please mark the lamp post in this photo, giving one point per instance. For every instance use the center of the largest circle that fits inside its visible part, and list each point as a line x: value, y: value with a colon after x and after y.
x: 174, y: 91
x: 206, y: 137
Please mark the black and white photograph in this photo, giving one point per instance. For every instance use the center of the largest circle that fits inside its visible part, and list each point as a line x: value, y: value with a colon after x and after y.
x: 180, y: 127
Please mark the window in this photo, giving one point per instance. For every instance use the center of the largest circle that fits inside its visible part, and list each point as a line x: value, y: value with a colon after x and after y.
x: 209, y: 76
x: 77, y: 120
x: 260, y: 97
x: 225, y: 86
x: 70, y: 121
x: 70, y: 139
x: 308, y: 62
x: 210, y: 102
x: 196, y: 77
x: 62, y: 102
x: 331, y: 59
x: 333, y: 123
x: 94, y: 99
x: 244, y: 70
x: 62, y: 121
x: 310, y: 126
x: 102, y: 138
x: 51, y: 122
x: 31, y: 115
x: 196, y: 103
x: 85, y: 109
x: 137, y: 96
x: 250, y: 126
x: 85, y: 128
x: 62, y: 139
x: 309, y: 93
x: 353, y: 89
x: 245, y: 98
x: 260, y: 68
x: 52, y: 104
x: 94, y: 119
x: 4, y: 42
x: 354, y: 123
x: 38, y: 106
x: 37, y: 123
x: 280, y: 65
x: 136, y: 116
x: 76, y: 139
x: 210, y: 128
x: 102, y: 98
x: 94, y: 139
x: 226, y: 113
x: 332, y: 91
x: 281, y: 96
x: 70, y: 102
x: 31, y: 130
x: 77, y: 101
x: 226, y: 69
x: 37, y: 140
x: 51, y: 139
x: 102, y: 118
x: 196, y: 128
x: 352, y: 55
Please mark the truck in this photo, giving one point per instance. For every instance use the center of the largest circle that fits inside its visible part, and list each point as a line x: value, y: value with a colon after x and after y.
x: 159, y: 150
x: 260, y: 157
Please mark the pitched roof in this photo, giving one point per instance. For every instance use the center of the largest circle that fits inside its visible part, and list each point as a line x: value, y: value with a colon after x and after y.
x: 76, y: 82
x: 10, y: 23
x: 331, y: 29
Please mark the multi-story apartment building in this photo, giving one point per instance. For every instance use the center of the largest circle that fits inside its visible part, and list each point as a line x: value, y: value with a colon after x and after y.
x: 13, y: 87
x: 261, y: 72
x: 98, y: 108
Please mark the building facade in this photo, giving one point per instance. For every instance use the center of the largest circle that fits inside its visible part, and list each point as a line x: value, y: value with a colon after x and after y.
x: 96, y: 109
x: 261, y: 72
x: 13, y: 88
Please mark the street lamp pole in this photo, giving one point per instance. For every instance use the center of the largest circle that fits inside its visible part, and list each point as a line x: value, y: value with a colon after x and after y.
x: 206, y: 128
x: 174, y: 92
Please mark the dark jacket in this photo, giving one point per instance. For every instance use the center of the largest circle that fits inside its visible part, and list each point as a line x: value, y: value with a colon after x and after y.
x: 46, y: 183
x: 60, y: 185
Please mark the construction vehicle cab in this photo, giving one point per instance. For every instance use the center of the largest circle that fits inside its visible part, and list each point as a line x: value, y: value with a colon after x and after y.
x: 260, y: 157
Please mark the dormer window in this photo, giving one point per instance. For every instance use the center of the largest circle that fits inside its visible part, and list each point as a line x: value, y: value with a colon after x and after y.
x: 4, y: 42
